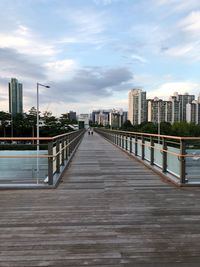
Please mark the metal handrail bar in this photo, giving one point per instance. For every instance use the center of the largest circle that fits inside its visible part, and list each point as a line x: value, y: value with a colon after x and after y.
x: 35, y: 138
x: 155, y: 135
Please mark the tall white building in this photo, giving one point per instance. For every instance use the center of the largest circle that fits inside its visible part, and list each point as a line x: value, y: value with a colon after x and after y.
x: 115, y: 119
x: 159, y: 110
x: 84, y: 118
x: 137, y: 106
x: 193, y: 112
x: 184, y: 100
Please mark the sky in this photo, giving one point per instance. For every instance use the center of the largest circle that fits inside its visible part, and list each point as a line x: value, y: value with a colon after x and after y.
x: 92, y: 52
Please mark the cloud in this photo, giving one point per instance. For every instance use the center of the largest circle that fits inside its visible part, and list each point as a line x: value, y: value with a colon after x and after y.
x: 89, y: 83
x: 87, y: 26
x: 16, y: 64
x: 105, y: 2
x: 180, y: 50
x: 61, y: 69
x: 178, y: 5
x: 23, y: 39
x: 139, y: 58
x: 191, y: 23
x: 167, y: 89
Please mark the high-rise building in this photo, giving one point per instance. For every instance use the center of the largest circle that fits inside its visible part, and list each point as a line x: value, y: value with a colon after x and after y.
x: 159, y: 110
x: 15, y: 97
x: 193, y: 112
x: 72, y: 115
x: 125, y: 117
x: 83, y: 120
x: 137, y: 106
x: 101, y: 117
x: 175, y: 109
x: 184, y: 100
x: 115, y: 119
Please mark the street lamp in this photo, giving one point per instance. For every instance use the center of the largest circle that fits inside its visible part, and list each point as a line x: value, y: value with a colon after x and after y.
x: 159, y: 122
x: 38, y: 132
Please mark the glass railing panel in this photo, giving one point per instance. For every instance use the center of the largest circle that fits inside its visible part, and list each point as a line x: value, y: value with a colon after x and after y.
x: 60, y: 147
x: 139, y: 148
x: 23, y: 170
x: 173, y: 162
x: 128, y: 143
x: 157, y: 155
x: 54, y: 159
x: 147, y: 150
x: 133, y: 145
x: 193, y: 165
x: 65, y: 143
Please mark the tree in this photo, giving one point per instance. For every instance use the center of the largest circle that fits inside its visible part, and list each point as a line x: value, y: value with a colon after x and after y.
x: 5, y: 119
x: 148, y: 127
x: 32, y: 119
x: 127, y: 125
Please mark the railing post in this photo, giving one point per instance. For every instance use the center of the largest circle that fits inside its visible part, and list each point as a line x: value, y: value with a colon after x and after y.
x: 164, y: 159
x: 142, y: 139
x: 130, y: 144
x: 126, y: 142
x: 50, y: 163
x: 136, y: 145
x: 120, y: 141
x: 63, y: 153
x: 182, y: 161
x: 151, y: 150
x: 117, y: 139
x: 57, y: 155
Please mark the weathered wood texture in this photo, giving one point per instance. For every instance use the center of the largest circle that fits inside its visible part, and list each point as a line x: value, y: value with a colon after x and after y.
x: 109, y: 211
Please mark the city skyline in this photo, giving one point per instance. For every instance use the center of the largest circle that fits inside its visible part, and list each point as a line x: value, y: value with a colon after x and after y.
x: 92, y: 53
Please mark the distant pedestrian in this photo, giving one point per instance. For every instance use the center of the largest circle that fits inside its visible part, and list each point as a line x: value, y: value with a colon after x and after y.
x: 89, y: 131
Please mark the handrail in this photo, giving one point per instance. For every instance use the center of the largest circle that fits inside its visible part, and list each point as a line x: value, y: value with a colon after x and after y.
x: 155, y: 135
x: 35, y: 138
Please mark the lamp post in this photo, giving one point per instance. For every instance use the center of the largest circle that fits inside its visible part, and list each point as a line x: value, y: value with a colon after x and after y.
x: 38, y: 132
x: 159, y: 122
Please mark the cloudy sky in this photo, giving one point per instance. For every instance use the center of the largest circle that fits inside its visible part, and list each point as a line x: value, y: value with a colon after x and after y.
x: 92, y: 52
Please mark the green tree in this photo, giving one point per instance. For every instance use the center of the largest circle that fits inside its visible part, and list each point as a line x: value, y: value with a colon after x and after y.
x: 5, y: 119
x: 127, y: 126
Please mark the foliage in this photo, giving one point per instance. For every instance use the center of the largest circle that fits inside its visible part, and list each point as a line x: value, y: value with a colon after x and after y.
x: 176, y: 129
x: 25, y: 125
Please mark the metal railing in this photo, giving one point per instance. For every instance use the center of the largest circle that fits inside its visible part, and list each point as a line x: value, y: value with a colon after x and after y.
x: 176, y: 157
x: 23, y: 164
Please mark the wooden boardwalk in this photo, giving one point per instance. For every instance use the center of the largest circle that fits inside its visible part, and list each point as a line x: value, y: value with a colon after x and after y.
x: 109, y: 211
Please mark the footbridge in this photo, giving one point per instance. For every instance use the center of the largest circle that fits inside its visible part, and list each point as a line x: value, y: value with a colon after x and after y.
x: 108, y: 209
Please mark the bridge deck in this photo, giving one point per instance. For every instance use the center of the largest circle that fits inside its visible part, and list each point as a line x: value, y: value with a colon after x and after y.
x: 108, y: 211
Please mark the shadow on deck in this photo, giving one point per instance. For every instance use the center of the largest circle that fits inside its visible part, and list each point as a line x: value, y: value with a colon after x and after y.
x: 109, y: 210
